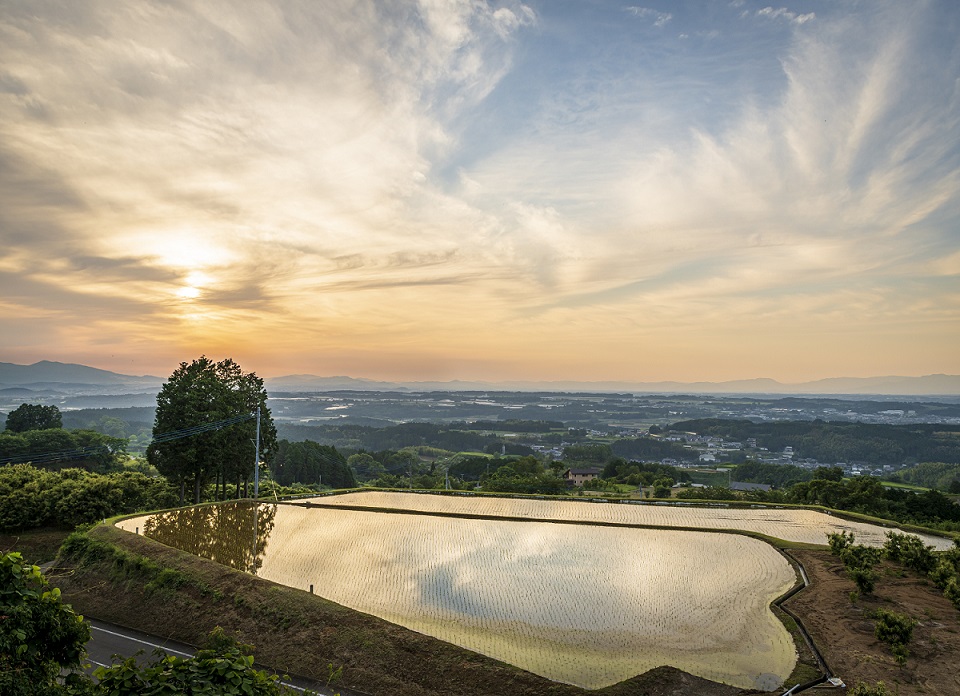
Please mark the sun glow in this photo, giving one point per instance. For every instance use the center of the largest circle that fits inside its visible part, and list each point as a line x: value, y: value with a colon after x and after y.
x: 194, y: 283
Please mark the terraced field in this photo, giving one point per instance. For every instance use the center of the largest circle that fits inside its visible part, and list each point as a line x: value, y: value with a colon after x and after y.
x: 796, y: 525
x: 584, y: 604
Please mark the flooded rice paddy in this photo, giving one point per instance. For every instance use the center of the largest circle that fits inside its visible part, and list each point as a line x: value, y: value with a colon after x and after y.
x: 796, y: 525
x: 583, y: 604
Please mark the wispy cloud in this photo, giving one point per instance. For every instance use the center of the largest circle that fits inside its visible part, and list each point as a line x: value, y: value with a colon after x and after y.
x: 659, y: 19
x: 783, y: 13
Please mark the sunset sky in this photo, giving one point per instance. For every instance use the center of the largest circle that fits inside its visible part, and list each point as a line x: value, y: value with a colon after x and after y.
x: 444, y: 189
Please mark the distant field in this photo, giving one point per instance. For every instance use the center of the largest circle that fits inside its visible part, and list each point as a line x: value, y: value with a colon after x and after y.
x: 793, y: 525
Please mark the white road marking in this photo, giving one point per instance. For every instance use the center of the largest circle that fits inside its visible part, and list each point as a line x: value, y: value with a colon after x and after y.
x: 137, y: 640
x: 169, y: 650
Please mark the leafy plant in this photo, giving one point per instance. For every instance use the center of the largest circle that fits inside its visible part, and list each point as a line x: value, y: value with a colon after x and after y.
x: 39, y: 634
x: 896, y: 630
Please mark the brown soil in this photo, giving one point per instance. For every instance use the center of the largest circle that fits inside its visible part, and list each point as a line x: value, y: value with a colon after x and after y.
x: 844, y: 632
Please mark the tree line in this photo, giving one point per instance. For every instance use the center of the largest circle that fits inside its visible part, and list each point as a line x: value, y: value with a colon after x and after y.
x: 34, y: 432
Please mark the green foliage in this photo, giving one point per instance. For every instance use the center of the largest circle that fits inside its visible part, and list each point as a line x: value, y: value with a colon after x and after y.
x: 910, y: 551
x: 708, y: 493
x: 839, y: 442
x: 828, y: 473
x: 864, y: 689
x: 864, y: 578
x: 310, y: 462
x: 938, y: 475
x: 223, y: 667
x: 206, y: 392
x: 587, y: 453
x: 840, y: 541
x: 779, y: 475
x: 39, y: 634
x: 32, y: 497
x: 951, y: 591
x: 33, y: 417
x: 893, y: 628
x: 866, y: 495
x: 55, y: 448
x: 469, y: 468
x: 859, y: 560
x: 649, y: 449
x: 524, y: 475
x: 641, y: 474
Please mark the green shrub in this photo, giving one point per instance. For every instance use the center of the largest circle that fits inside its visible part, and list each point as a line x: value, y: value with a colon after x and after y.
x: 864, y: 689
x: 910, y: 551
x: 893, y: 628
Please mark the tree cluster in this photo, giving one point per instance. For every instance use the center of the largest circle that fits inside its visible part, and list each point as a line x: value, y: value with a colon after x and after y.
x: 200, y: 395
x: 309, y: 462
x: 53, y: 447
x: 33, y: 417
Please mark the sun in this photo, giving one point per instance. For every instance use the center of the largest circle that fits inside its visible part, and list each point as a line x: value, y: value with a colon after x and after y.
x: 193, y: 285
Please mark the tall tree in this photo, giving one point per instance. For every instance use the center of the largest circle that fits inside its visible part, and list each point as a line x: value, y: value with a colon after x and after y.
x: 203, y: 393
x: 33, y: 417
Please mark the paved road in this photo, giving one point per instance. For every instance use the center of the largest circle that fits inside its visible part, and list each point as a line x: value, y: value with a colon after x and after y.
x: 107, y: 640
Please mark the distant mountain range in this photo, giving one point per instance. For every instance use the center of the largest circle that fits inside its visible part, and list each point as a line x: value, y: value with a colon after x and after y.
x: 905, y: 386
x: 49, y: 375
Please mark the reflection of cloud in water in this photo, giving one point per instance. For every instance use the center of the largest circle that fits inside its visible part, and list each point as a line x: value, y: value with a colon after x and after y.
x: 583, y: 604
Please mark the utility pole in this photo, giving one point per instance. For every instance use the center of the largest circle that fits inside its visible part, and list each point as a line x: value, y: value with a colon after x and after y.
x: 256, y: 461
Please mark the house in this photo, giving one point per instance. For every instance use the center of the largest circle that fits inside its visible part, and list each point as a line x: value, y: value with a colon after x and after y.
x: 578, y: 477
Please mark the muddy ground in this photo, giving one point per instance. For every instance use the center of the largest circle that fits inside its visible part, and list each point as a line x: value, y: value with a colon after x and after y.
x: 844, y: 630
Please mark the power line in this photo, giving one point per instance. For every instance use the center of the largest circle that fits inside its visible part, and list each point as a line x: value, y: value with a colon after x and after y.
x: 91, y: 450
x: 202, y: 428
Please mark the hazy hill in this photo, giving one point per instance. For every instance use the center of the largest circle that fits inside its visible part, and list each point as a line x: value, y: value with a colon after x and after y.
x: 890, y: 385
x: 47, y: 374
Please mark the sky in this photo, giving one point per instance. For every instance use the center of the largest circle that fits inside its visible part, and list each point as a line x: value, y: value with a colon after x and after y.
x: 483, y: 190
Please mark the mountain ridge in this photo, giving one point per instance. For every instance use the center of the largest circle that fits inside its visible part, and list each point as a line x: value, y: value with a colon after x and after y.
x: 46, y: 372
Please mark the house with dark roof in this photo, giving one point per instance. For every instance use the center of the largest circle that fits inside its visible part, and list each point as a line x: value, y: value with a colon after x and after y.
x: 578, y: 477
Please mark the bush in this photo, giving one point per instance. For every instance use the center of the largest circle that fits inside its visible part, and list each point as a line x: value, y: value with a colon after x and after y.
x: 952, y: 591
x: 893, y: 628
x: 864, y: 578
x: 839, y: 541
x: 910, y: 551
x: 32, y: 497
x: 39, y: 634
